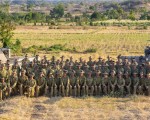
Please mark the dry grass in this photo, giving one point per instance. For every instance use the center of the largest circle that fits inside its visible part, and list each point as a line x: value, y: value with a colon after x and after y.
x: 90, y: 108
x: 108, y: 41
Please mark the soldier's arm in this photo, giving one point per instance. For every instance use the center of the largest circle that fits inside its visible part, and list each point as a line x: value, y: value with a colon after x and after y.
x: 44, y: 81
x: 130, y: 81
x: 123, y: 83
x: 137, y: 82
x: 34, y: 84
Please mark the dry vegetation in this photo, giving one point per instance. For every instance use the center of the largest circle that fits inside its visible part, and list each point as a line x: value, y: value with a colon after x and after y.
x: 90, y: 108
x: 107, y: 41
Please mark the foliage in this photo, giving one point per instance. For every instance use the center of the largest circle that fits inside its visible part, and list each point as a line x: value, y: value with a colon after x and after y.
x: 91, y: 50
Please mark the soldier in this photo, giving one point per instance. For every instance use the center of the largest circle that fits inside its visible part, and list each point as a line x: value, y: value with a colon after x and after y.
x: 127, y: 82
x: 98, y: 83
x: 120, y: 83
x: 141, y: 84
x: 40, y: 85
x: 147, y: 84
x: 52, y: 87
x: 30, y: 86
x: 12, y: 88
x: 78, y: 70
x: 3, y: 72
x: 3, y: 88
x: 58, y: 81
x: 65, y: 83
x: 81, y: 83
x: 113, y: 82
x: 135, y: 83
x: 30, y: 69
x: 89, y: 84
x: 36, y: 59
x: 21, y: 82
x: 105, y: 82
x: 16, y: 67
x: 73, y: 84
x: 90, y: 61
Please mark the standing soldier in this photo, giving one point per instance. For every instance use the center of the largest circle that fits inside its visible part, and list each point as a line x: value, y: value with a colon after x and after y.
x: 147, y: 84
x: 135, y: 80
x: 81, y: 83
x: 52, y: 87
x: 58, y: 81
x: 141, y: 83
x: 65, y: 83
x: 3, y: 88
x: 30, y: 86
x: 12, y: 87
x: 21, y: 82
x: 127, y: 82
x: 113, y: 82
x: 120, y: 83
x: 73, y: 84
x: 3, y: 72
x: 89, y: 84
x: 98, y: 83
x: 40, y: 85
x: 105, y: 82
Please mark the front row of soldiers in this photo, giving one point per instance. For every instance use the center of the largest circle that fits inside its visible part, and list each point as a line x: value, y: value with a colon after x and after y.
x: 62, y: 84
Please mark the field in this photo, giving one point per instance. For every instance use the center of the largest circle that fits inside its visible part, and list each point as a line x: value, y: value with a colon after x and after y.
x: 106, y: 40
x: 90, y: 108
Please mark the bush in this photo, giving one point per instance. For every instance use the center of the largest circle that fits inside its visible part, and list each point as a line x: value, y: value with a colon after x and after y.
x: 57, y: 47
x: 91, y: 50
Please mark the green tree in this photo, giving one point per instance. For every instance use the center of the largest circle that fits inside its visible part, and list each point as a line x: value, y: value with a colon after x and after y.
x: 131, y: 15
x: 57, y: 12
x: 95, y: 15
x: 6, y: 33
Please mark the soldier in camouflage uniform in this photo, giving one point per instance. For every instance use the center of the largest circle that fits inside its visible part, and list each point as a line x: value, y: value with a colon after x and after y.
x: 40, y: 85
x: 52, y: 87
x: 98, y: 83
x: 65, y: 83
x: 89, y: 84
x: 128, y: 82
x: 3, y: 88
x: 12, y: 87
x: 58, y: 82
x: 81, y: 83
x: 3, y: 72
x: 147, y: 84
x: 73, y: 84
x: 105, y: 82
x: 141, y: 84
x: 120, y: 83
x: 113, y: 82
x: 30, y: 86
x: 135, y: 83
x: 21, y: 82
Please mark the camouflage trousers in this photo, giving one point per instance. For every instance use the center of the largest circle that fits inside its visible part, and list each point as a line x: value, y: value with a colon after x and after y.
x: 2, y: 95
x: 30, y: 91
x: 89, y: 90
x: 39, y: 91
x: 73, y: 90
x: 64, y: 91
x: 98, y: 90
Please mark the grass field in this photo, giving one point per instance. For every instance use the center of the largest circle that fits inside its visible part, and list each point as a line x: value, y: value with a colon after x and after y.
x: 107, y: 41
x: 90, y: 108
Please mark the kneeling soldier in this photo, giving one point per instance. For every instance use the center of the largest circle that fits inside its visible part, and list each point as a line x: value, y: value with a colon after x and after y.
x: 120, y: 83
x: 105, y: 83
x: 21, y: 82
x: 3, y: 88
x: 147, y: 84
x: 89, y: 84
x: 135, y: 80
x: 30, y: 86
x: 40, y: 85
x: 127, y: 83
x: 12, y: 88
x: 113, y: 81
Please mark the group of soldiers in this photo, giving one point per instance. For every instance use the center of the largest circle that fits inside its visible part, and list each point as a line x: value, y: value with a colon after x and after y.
x: 65, y: 77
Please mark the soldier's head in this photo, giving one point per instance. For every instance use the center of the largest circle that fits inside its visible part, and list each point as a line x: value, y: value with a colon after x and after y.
x: 113, y: 73
x: 8, y: 66
x: 50, y: 74
x: 81, y: 73
x: 120, y: 75
x: 148, y: 75
x: 98, y: 72
x: 14, y: 73
x: 41, y: 74
x: 134, y: 74
x: 2, y: 79
x: 89, y: 73
x: 79, y: 66
x: 31, y: 76
x: 65, y: 72
x: 90, y: 58
x: 141, y: 74
x: 72, y: 73
x: 126, y: 74
x: 105, y: 75
x: 23, y: 72
x: 99, y: 58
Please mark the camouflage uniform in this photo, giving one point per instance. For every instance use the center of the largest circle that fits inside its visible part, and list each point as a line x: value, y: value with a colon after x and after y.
x: 113, y: 82
x: 12, y: 87
x: 105, y: 82
x: 40, y: 85
x: 135, y: 83
x: 120, y: 83
x: 97, y: 83
x: 147, y: 84
x: 21, y: 82
x: 30, y: 86
x: 89, y: 84
x: 141, y: 84
x: 128, y: 82
x: 3, y: 88
x: 52, y: 87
